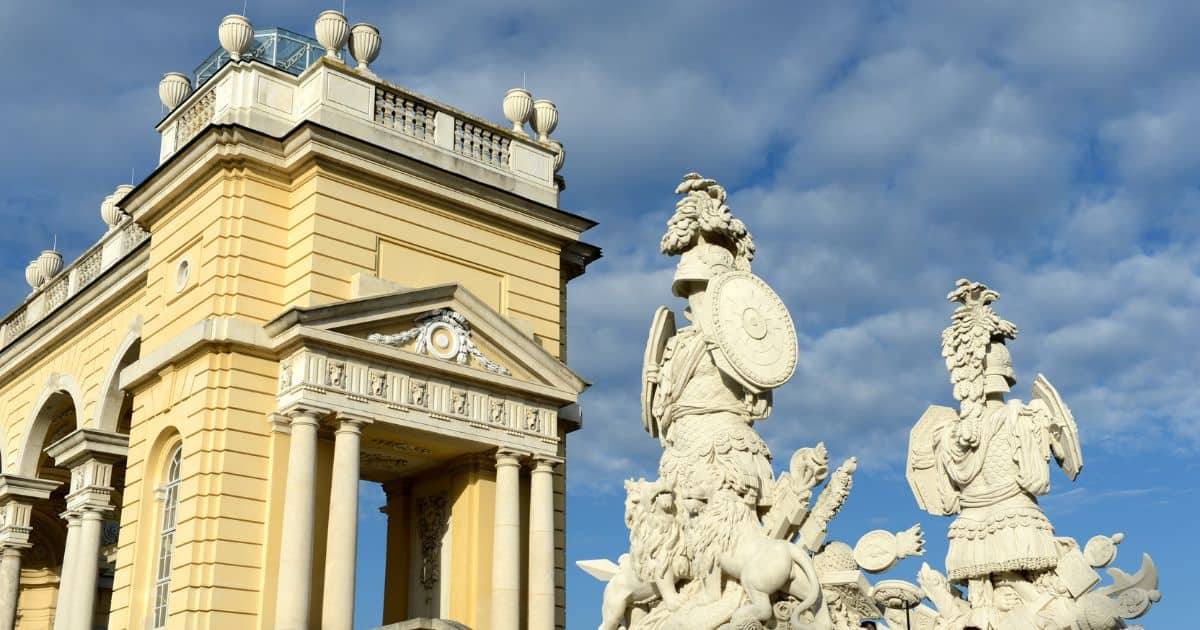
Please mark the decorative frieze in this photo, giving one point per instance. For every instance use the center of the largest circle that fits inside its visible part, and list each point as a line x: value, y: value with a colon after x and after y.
x: 401, y: 389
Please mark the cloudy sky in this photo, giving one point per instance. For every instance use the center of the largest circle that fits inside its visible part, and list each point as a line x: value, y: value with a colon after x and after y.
x: 877, y: 151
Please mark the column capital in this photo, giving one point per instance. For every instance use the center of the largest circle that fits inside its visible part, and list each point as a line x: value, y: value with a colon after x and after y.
x: 351, y: 423
x: 305, y: 414
x: 545, y: 463
x: 509, y: 457
x: 91, y: 485
x: 279, y: 423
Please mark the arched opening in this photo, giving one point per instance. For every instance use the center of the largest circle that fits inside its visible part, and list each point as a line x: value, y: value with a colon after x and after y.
x: 41, y: 569
x: 116, y: 405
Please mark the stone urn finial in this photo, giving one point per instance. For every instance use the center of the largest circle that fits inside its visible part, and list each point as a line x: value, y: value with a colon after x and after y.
x: 109, y: 212
x: 545, y: 118
x: 236, y: 35
x: 49, y: 263
x: 173, y: 89
x: 518, y: 107
x: 364, y: 46
x: 33, y: 275
x: 332, y: 31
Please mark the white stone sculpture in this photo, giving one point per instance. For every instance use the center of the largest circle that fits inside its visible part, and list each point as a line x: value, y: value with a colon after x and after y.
x: 545, y: 118
x: 518, y: 107
x: 110, y: 211
x: 986, y: 462
x: 444, y: 334
x: 332, y: 30
x: 173, y: 89
x: 33, y: 275
x: 718, y: 541
x: 50, y: 262
x: 364, y: 46
x: 236, y: 34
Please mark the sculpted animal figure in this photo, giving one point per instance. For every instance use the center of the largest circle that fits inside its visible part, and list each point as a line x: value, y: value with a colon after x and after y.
x: 656, y: 559
x: 765, y: 566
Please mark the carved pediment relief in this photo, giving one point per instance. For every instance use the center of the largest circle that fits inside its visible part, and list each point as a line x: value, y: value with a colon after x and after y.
x: 443, y: 334
x: 442, y: 328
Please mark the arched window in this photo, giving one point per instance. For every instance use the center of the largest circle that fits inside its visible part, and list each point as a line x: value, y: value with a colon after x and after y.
x: 166, y: 539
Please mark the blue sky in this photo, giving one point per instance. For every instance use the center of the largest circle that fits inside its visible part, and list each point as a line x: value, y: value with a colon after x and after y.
x: 876, y: 150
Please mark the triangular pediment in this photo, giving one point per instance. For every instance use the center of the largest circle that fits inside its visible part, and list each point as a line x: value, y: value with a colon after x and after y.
x: 445, y: 323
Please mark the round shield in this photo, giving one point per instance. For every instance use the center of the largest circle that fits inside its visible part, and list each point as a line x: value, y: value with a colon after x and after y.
x: 753, y: 328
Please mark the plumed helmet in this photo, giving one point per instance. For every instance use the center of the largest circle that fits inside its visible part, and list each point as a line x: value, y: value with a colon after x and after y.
x: 701, y: 263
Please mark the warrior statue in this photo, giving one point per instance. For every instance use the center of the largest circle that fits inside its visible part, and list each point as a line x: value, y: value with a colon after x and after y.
x: 987, y: 462
x: 695, y: 398
x: 738, y: 548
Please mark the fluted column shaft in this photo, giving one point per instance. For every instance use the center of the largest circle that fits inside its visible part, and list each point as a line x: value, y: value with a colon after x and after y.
x: 62, y: 613
x: 506, y: 544
x: 82, y: 593
x: 10, y: 586
x: 341, y: 546
x: 296, y: 539
x: 541, y: 546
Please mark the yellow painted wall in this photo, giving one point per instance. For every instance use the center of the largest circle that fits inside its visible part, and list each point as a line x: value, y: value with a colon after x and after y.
x: 256, y: 243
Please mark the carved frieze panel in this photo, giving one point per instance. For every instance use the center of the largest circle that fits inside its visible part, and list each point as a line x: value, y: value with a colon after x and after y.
x: 401, y: 389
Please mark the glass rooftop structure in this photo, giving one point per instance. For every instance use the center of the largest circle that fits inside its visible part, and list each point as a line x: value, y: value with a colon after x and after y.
x: 288, y: 51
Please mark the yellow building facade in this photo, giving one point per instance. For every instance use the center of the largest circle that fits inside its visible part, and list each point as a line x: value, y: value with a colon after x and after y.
x: 327, y: 280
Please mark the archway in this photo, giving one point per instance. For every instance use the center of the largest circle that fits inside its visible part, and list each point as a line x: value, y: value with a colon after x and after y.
x: 54, y: 417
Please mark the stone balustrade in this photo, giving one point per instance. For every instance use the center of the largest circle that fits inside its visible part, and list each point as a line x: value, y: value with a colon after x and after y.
x: 76, y: 277
x: 273, y: 101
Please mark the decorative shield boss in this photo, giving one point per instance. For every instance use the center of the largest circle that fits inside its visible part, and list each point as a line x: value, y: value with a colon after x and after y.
x: 753, y: 328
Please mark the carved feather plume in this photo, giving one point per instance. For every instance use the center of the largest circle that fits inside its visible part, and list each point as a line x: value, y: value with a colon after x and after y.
x: 703, y: 214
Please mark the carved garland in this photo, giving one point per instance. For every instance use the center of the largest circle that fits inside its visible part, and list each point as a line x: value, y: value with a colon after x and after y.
x: 446, y: 335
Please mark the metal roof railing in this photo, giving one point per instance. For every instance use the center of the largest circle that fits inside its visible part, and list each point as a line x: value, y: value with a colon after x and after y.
x: 291, y: 52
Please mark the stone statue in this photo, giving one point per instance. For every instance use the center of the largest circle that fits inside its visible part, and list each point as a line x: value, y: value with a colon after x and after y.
x: 718, y: 541
x: 987, y: 462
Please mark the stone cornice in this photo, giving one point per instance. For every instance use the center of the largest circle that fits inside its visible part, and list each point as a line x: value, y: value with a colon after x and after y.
x: 309, y: 143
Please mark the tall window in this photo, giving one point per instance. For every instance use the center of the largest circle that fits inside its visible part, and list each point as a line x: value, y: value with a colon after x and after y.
x: 166, y: 540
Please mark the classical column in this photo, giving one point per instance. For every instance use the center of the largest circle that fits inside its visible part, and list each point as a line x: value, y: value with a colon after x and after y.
x: 296, y: 538
x: 506, y: 543
x: 341, y: 545
x: 17, y: 495
x: 62, y: 612
x: 10, y: 586
x: 90, y: 454
x: 82, y: 593
x: 541, y: 545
